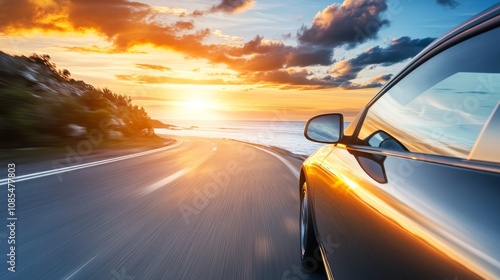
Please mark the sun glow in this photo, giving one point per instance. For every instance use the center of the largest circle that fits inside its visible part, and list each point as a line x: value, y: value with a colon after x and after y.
x: 199, y: 106
x: 196, y: 105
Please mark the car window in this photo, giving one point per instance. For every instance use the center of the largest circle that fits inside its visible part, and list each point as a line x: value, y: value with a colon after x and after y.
x: 441, y: 107
x: 486, y: 147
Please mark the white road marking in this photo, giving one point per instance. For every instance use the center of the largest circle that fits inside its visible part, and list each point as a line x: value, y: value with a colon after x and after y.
x: 153, y: 187
x: 290, y: 166
x: 85, y: 165
x: 80, y: 268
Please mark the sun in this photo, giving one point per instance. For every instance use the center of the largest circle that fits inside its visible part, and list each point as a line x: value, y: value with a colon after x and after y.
x: 199, y: 108
x: 196, y: 105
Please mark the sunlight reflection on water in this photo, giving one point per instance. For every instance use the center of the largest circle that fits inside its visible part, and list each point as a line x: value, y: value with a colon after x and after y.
x: 287, y: 135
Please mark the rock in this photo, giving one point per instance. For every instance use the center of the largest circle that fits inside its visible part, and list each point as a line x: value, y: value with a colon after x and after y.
x: 76, y: 130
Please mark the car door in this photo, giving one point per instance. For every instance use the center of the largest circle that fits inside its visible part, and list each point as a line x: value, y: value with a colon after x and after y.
x: 408, y: 196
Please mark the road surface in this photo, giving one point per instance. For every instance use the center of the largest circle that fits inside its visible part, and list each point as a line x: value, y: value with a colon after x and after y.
x: 198, y: 209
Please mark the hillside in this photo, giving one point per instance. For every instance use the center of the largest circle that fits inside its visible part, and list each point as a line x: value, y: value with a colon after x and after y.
x: 159, y: 124
x: 43, y: 106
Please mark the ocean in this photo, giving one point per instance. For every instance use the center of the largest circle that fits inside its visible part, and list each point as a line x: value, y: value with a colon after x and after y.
x: 288, y: 135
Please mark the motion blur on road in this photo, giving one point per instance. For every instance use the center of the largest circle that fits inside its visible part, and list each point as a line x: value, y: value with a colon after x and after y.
x: 199, y: 209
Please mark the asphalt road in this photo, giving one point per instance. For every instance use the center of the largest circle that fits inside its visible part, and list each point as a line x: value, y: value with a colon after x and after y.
x: 198, y: 209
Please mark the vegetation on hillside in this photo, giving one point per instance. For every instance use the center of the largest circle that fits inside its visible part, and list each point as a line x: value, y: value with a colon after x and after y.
x: 41, y: 105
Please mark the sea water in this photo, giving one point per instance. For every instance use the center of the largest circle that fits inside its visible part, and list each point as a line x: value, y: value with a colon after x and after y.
x: 288, y: 135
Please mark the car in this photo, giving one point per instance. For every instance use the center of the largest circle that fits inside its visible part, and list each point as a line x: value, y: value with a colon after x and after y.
x: 411, y: 188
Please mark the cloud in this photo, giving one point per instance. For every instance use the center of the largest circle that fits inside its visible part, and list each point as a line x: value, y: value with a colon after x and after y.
x: 351, y: 86
x: 232, y: 6
x: 399, y: 50
x: 97, y: 49
x: 352, y: 23
x: 448, y: 3
x: 259, y: 54
x: 95, y: 15
x: 152, y: 67
x: 219, y: 74
x: 345, y: 69
x: 168, y: 10
x: 286, y: 36
x: 218, y: 33
x: 280, y: 71
x: 27, y: 15
x: 133, y: 24
x: 226, y: 6
x: 374, y: 82
x: 309, y: 56
x: 127, y: 25
x: 384, y: 78
x: 293, y: 78
x: 183, y: 25
x: 147, y: 79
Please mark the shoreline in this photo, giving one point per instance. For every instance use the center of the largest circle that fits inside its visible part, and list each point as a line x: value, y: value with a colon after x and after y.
x: 269, y: 134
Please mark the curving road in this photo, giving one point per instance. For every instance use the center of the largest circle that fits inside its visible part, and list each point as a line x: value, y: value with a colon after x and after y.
x: 198, y: 209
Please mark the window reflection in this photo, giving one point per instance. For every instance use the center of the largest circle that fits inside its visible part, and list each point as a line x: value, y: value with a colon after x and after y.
x: 442, y: 106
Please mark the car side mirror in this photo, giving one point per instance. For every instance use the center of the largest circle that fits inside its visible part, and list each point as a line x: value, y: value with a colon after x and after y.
x: 327, y: 129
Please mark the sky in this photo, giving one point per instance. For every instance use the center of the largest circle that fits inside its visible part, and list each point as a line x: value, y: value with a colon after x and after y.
x: 232, y: 59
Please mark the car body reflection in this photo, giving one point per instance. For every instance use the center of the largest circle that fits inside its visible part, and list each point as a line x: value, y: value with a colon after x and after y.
x: 411, y: 189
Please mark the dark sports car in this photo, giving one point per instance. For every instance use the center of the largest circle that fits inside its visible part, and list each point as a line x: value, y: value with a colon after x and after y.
x: 411, y: 188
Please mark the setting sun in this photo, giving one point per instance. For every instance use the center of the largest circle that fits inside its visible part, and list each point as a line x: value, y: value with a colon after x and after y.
x: 194, y: 105
x: 199, y: 105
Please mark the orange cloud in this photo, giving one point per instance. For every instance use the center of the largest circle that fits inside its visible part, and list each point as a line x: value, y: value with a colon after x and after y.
x: 127, y: 24
x: 28, y: 15
x: 382, y: 79
x: 218, y: 74
x: 153, y: 67
x: 341, y: 68
x: 146, y: 79
x: 97, y: 49
x: 168, y: 10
